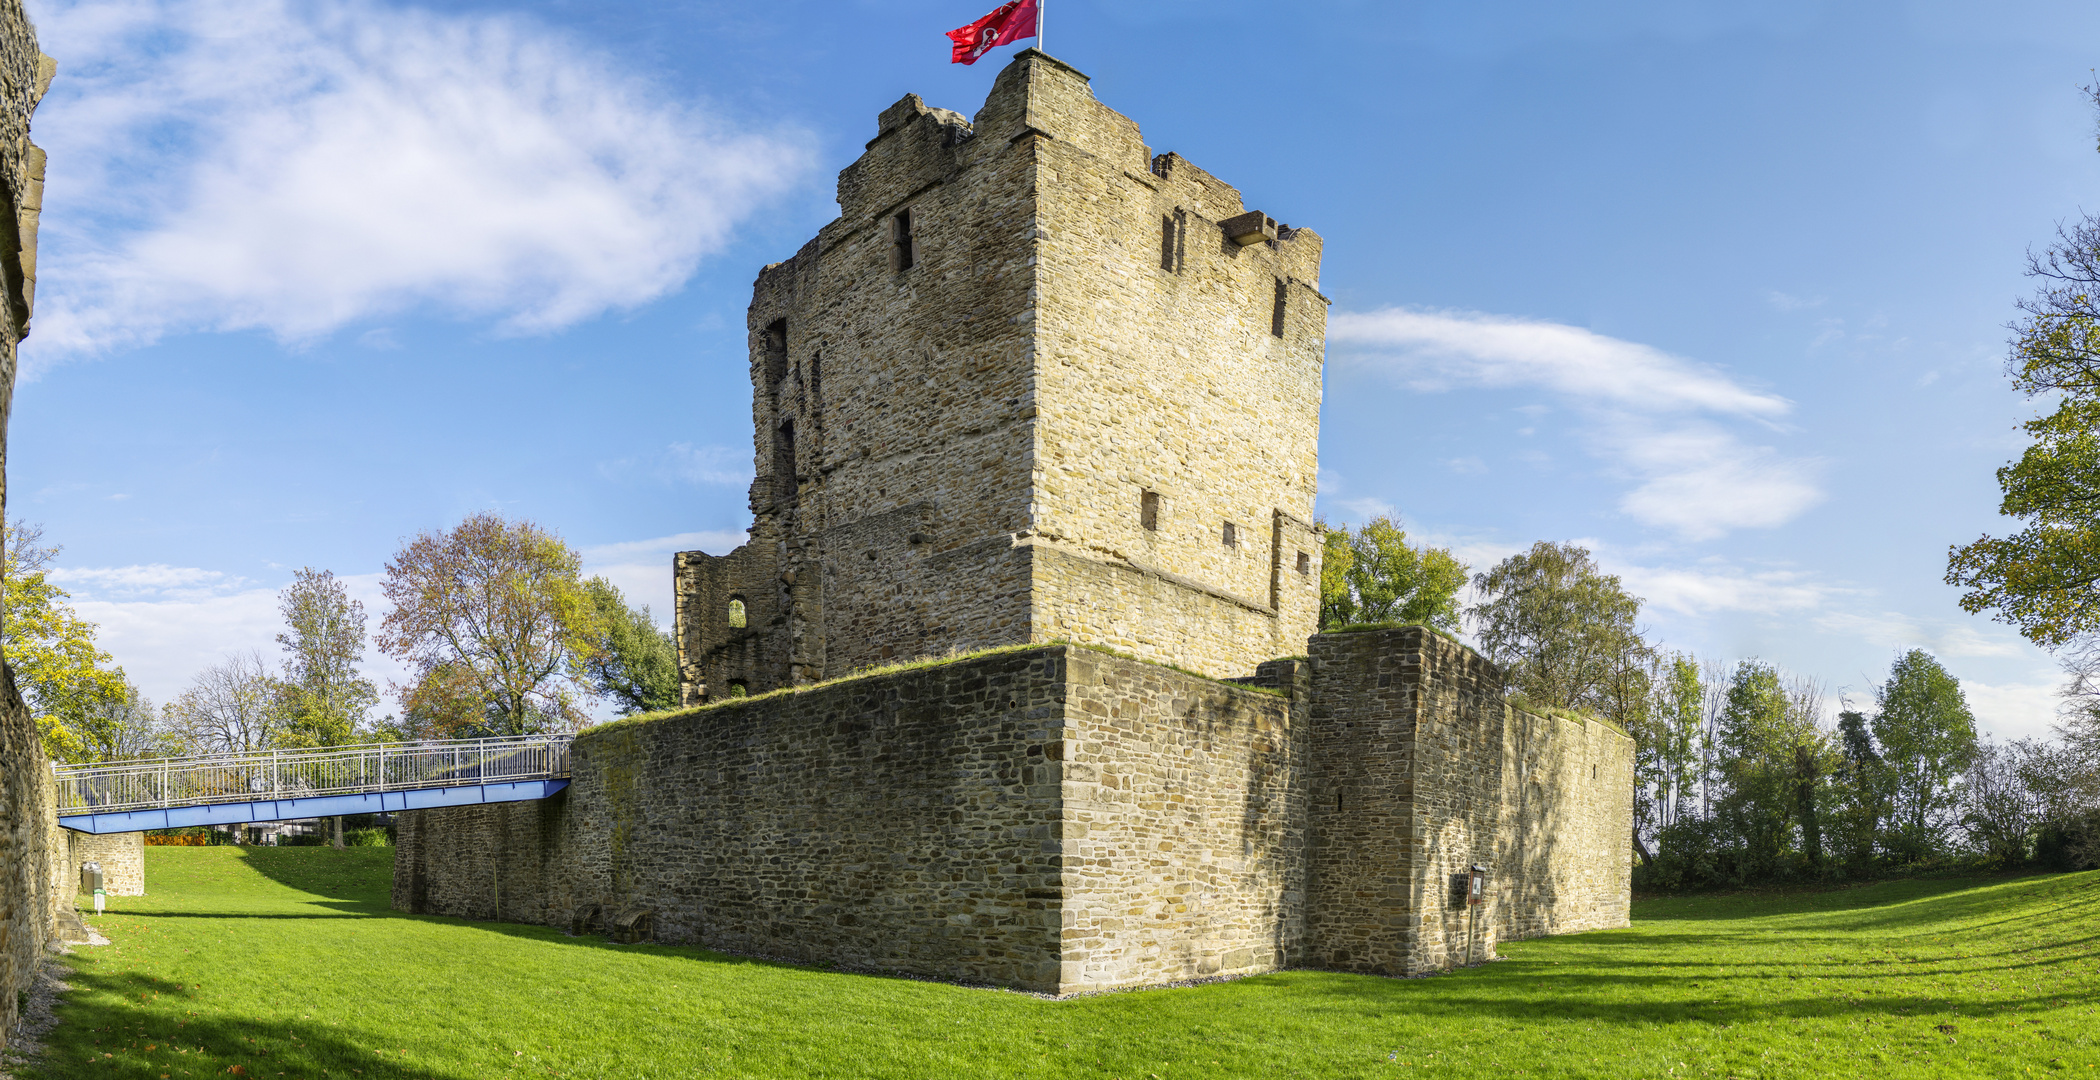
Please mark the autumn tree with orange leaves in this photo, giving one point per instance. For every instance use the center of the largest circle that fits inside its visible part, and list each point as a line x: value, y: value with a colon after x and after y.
x: 497, y: 624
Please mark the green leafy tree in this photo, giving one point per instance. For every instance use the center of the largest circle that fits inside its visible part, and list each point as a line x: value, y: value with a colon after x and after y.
x: 1562, y: 628
x: 1927, y: 738
x: 2045, y: 578
x: 1667, y: 748
x: 636, y: 663
x: 66, y: 680
x: 124, y: 726
x: 1373, y: 575
x: 231, y: 707
x: 1860, y: 793
x: 496, y: 622
x: 324, y: 698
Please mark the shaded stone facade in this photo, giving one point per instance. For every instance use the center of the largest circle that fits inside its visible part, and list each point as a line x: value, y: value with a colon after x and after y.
x: 1034, y: 384
x: 32, y: 846
x: 1064, y: 820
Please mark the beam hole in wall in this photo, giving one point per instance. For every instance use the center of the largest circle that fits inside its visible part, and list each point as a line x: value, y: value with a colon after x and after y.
x: 736, y: 613
x: 1232, y: 535
x: 1148, y: 510
x: 1304, y: 563
x: 903, y: 250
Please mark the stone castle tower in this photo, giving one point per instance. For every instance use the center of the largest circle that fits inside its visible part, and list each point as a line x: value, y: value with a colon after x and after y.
x: 1034, y: 384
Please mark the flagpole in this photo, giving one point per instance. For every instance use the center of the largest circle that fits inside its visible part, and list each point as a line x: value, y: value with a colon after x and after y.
x: 1039, y: 5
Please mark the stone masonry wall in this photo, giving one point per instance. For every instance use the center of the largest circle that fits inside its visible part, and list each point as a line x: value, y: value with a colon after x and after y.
x: 989, y: 373
x: 1183, y: 825
x: 122, y: 855
x: 32, y: 852
x: 1424, y: 772
x: 1055, y: 819
x: 905, y: 822
x: 31, y: 844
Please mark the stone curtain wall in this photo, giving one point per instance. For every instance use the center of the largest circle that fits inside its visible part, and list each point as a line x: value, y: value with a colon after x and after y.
x: 32, y: 852
x: 1062, y: 819
x: 964, y: 388
x: 1055, y: 819
x: 1183, y: 825
x: 1422, y: 773
x: 123, y: 859
x: 906, y: 822
x: 32, y: 848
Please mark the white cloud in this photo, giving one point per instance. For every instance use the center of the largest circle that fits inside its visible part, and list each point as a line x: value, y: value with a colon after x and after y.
x: 1709, y: 590
x: 641, y: 569
x: 2013, y: 710
x: 186, y: 581
x: 1437, y: 349
x: 685, y: 463
x: 1894, y: 630
x: 294, y: 168
x: 1652, y: 415
x: 1701, y: 481
x: 164, y: 624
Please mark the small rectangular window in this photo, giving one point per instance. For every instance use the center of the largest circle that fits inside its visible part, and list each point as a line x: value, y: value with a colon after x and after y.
x: 1166, y: 242
x: 1148, y: 510
x: 1232, y: 535
x: 1276, y: 316
x: 1304, y: 563
x: 903, y: 251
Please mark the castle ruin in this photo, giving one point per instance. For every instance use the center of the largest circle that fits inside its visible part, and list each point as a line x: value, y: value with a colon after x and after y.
x: 1045, y: 405
x: 1034, y: 384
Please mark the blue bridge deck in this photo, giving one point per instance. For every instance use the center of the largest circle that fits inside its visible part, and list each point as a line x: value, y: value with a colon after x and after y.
x: 282, y: 785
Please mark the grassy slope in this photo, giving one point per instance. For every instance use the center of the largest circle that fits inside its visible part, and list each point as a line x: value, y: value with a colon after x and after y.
x: 286, y: 962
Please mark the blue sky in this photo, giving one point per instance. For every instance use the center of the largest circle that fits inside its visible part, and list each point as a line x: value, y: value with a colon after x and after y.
x: 1716, y: 289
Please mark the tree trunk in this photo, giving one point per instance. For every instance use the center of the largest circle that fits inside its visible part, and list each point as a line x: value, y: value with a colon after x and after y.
x: 1805, y: 777
x: 339, y: 832
x: 1641, y: 849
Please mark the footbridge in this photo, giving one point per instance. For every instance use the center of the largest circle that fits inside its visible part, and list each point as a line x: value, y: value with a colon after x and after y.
x: 280, y: 785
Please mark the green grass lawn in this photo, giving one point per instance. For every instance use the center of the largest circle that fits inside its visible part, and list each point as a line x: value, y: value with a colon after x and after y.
x: 287, y: 962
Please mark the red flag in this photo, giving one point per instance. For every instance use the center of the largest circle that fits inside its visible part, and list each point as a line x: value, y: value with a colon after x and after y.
x: 1009, y: 23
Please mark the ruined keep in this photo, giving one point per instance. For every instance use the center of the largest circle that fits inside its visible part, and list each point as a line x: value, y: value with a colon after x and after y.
x: 1041, y: 393
x: 1034, y: 384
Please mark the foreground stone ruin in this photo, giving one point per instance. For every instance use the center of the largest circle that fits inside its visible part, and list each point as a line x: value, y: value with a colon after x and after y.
x: 34, y: 893
x: 1047, y: 404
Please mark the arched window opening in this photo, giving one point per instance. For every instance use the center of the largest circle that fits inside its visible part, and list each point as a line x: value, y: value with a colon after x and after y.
x: 736, y: 614
x: 737, y: 689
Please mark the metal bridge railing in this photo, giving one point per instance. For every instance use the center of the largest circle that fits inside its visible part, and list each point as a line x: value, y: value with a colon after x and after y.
x: 299, y: 774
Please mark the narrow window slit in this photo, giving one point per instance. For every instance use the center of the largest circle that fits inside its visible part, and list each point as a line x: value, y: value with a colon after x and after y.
x: 1148, y: 510
x: 1276, y: 315
x: 903, y: 250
